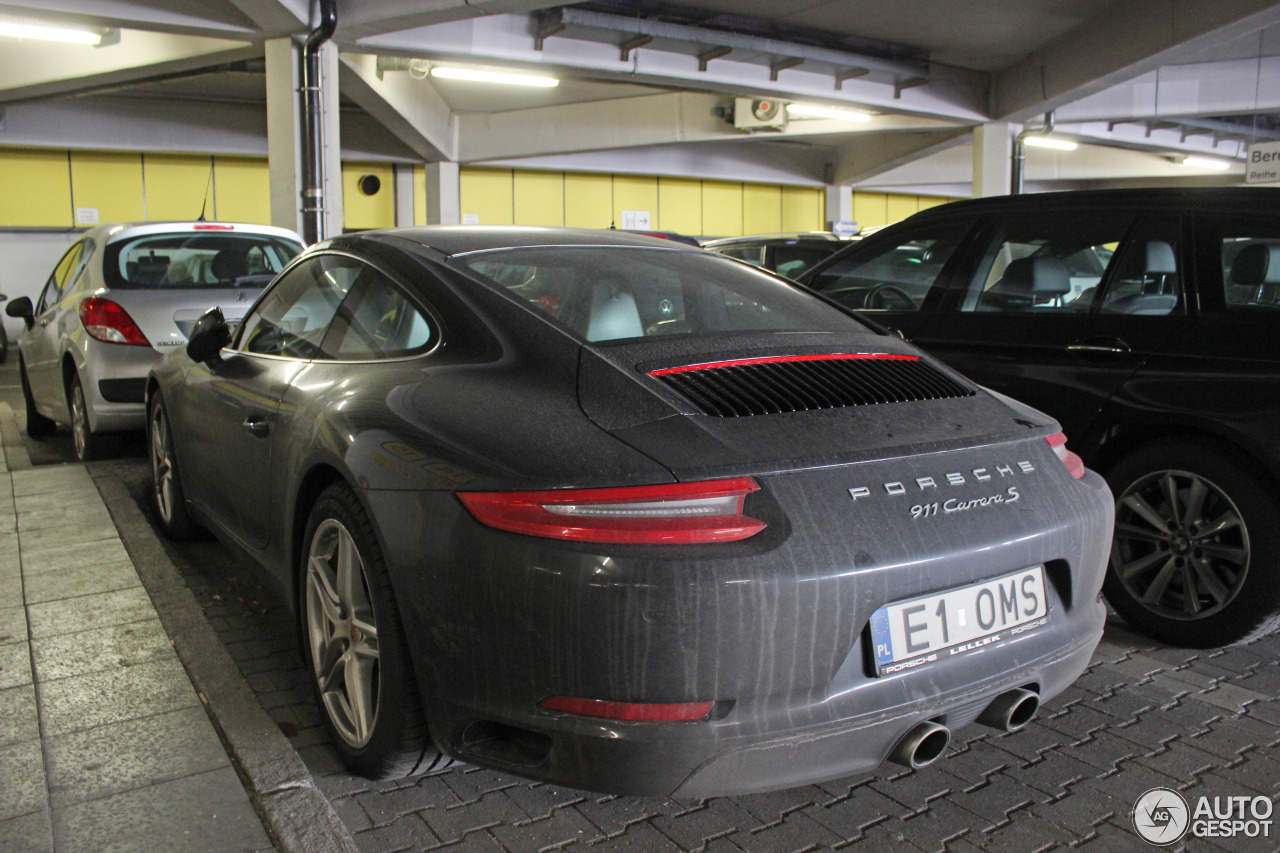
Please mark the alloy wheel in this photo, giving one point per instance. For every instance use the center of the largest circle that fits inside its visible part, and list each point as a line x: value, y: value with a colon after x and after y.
x: 161, y: 463
x: 342, y: 633
x: 1181, y: 547
x: 79, y: 420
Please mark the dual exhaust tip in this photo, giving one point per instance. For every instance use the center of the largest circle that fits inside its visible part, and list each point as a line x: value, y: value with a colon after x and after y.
x: 925, y: 743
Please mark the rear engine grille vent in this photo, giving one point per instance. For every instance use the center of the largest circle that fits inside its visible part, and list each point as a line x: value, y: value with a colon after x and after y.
x: 775, y: 384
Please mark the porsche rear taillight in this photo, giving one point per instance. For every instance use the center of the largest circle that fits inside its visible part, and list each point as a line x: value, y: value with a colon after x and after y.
x: 631, y: 712
x: 104, y: 320
x: 669, y: 514
x: 1074, y: 463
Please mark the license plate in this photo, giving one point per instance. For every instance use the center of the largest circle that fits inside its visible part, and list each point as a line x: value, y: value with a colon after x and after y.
x: 907, y: 634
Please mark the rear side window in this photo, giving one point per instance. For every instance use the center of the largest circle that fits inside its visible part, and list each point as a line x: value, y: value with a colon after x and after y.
x: 893, y: 276
x: 1248, y: 252
x: 605, y: 293
x: 196, y: 259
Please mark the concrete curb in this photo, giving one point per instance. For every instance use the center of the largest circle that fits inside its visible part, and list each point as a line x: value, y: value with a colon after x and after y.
x: 295, y: 813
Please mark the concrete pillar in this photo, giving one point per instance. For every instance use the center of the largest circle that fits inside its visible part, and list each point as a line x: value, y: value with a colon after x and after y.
x: 839, y: 205
x: 402, y: 175
x: 284, y: 134
x: 444, y: 194
x: 992, y: 149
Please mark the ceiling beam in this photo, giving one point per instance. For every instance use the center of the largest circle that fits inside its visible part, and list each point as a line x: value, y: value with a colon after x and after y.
x: 411, y: 110
x: 359, y: 19
x: 1127, y: 40
x: 212, y: 19
x: 865, y: 157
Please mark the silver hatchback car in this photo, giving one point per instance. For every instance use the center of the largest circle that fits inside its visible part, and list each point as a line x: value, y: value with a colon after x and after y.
x: 120, y: 297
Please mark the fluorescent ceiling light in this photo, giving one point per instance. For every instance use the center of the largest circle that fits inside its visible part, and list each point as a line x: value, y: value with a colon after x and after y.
x: 480, y: 75
x: 1050, y: 142
x: 1206, y: 163
x: 36, y: 31
x: 815, y: 111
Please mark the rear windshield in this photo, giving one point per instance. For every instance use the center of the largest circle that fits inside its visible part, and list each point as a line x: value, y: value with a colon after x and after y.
x: 196, y: 260
x: 605, y: 293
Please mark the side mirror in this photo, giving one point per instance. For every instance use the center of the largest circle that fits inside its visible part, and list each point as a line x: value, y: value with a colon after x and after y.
x: 22, y: 307
x: 209, y: 335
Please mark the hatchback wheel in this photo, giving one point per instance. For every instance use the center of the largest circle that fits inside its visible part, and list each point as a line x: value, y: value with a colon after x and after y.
x: 38, y: 426
x: 355, y: 645
x: 170, y: 500
x: 89, y: 445
x: 1197, y: 538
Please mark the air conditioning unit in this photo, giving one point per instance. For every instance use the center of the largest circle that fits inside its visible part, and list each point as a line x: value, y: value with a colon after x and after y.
x: 757, y: 114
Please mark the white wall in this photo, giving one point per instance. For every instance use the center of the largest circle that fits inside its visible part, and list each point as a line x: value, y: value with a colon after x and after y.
x: 26, y: 259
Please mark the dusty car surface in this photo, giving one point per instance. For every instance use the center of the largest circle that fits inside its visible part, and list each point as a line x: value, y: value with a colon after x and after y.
x: 625, y: 515
x: 119, y: 298
x: 1145, y: 321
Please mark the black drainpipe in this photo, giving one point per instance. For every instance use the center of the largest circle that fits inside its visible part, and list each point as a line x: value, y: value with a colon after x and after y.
x: 313, y: 133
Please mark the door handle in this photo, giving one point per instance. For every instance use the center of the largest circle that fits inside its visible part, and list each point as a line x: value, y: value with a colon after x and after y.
x: 1115, y: 346
x: 257, y: 426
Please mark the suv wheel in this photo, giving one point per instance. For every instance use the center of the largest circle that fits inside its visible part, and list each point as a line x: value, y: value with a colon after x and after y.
x: 1197, y: 538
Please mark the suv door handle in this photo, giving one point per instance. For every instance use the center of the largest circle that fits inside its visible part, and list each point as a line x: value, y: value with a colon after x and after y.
x: 1114, y: 346
x: 257, y: 426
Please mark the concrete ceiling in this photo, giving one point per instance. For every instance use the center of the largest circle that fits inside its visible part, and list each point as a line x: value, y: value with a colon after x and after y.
x: 1139, y: 82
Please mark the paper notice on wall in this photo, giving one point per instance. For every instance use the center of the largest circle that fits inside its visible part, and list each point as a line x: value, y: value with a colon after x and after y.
x: 87, y: 216
x: 1263, y: 163
x: 635, y: 220
x: 470, y: 219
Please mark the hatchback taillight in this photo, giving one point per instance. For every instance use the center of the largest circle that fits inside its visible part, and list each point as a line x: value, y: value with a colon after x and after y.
x: 107, y: 321
x: 669, y: 514
x: 1074, y: 463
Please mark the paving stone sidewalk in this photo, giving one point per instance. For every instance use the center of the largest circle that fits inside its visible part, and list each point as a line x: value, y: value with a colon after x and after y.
x: 104, y: 743
x: 1142, y: 716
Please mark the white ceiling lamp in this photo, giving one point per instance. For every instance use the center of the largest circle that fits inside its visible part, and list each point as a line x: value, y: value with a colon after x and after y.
x: 485, y: 75
x: 1050, y: 142
x: 70, y: 35
x: 1206, y: 163
x: 816, y: 111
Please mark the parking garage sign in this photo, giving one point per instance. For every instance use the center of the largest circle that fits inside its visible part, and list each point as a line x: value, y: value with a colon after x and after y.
x: 1263, y: 164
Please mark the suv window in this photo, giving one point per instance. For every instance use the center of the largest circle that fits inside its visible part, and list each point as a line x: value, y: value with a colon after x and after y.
x: 898, y: 276
x: 1050, y: 264
x: 1147, y: 280
x: 1249, y: 257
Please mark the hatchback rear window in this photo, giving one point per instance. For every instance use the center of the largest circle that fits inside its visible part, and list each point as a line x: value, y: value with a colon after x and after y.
x: 604, y: 293
x: 196, y: 260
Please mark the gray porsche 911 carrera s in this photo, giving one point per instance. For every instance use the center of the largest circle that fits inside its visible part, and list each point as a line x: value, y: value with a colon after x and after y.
x: 625, y: 515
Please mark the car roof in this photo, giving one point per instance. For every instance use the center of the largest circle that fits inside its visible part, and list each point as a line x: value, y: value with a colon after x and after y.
x: 762, y: 239
x: 460, y: 239
x: 1261, y: 198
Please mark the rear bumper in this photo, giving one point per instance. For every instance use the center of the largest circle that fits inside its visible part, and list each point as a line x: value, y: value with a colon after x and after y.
x: 773, y: 628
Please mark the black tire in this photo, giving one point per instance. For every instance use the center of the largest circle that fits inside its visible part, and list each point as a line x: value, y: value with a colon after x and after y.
x: 88, y: 444
x: 167, y: 493
x: 1197, y: 542
x: 389, y: 740
x: 38, y: 426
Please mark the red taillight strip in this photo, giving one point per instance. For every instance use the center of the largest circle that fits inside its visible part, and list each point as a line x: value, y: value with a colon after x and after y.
x: 213, y: 227
x: 639, y: 515
x: 633, y: 712
x: 1058, y: 441
x: 774, y: 359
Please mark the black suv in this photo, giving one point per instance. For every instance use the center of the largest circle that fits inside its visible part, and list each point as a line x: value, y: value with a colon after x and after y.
x: 1148, y: 323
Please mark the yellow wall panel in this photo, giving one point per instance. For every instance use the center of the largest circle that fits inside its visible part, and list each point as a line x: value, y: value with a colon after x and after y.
x: 680, y: 205
x: 721, y: 209
x: 110, y: 182
x: 177, y: 186
x: 486, y: 193
x: 761, y: 208
x: 588, y: 200
x: 870, y: 209
x: 802, y: 209
x: 899, y: 207
x: 360, y: 211
x: 538, y: 197
x: 635, y: 192
x: 242, y: 189
x: 928, y: 201
x: 35, y: 188
x: 419, y: 195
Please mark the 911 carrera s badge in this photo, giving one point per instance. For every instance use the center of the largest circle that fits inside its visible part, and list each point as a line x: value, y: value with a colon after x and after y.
x: 930, y: 486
